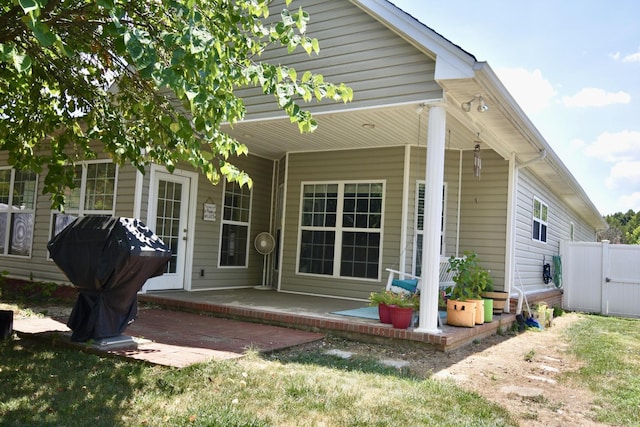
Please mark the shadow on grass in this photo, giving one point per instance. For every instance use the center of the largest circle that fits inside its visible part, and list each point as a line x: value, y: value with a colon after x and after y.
x: 355, y: 363
x: 42, y: 385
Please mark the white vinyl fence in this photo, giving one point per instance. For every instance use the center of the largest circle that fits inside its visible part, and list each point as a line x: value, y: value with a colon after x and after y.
x: 601, y: 278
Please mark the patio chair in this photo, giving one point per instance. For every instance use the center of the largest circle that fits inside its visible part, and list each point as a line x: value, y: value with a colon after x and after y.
x: 412, y: 283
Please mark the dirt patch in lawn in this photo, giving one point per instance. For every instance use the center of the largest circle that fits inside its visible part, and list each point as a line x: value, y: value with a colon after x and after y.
x: 522, y: 372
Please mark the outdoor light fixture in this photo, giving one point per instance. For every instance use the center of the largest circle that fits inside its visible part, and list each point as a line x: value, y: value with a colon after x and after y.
x: 482, y: 106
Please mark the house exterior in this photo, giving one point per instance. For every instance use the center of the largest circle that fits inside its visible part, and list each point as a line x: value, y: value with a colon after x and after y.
x: 386, y: 181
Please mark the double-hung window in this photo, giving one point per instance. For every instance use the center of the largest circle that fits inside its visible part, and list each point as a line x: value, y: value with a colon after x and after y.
x: 341, y: 229
x: 540, y: 216
x: 420, y: 198
x: 94, y: 193
x: 235, y: 225
x: 17, y: 211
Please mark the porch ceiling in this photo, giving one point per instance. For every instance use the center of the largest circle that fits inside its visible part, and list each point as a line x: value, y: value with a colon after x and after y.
x: 504, y: 128
x: 340, y: 130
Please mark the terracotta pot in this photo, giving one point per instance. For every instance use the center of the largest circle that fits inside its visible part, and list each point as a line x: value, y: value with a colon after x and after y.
x: 401, y: 316
x: 384, y: 313
x: 461, y: 313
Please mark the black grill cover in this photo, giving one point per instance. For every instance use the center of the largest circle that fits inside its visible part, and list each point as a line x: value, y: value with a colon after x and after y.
x: 109, y: 260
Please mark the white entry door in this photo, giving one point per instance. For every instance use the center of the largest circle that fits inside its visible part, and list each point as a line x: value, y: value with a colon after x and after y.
x: 168, y: 218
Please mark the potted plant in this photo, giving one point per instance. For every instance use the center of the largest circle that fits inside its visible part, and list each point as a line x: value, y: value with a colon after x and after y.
x: 401, y: 309
x: 465, y: 306
x: 383, y: 300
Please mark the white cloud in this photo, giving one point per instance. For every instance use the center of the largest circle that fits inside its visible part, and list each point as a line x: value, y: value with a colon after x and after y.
x: 621, y: 146
x: 630, y: 201
x: 624, y: 175
x: 577, y: 144
x: 529, y: 88
x: 634, y: 57
x: 593, y: 97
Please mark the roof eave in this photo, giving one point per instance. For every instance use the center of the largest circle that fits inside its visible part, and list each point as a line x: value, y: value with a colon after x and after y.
x: 487, y: 78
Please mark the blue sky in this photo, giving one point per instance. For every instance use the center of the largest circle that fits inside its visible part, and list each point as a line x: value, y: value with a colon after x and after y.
x: 574, y: 68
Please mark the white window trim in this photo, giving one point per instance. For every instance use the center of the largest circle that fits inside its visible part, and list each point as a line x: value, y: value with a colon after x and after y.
x: 533, y: 219
x: 231, y: 222
x: 81, y: 211
x: 416, y: 231
x: 9, y: 210
x: 339, y: 229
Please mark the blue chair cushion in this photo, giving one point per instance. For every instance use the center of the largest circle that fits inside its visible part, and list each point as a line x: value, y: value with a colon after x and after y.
x: 407, y: 284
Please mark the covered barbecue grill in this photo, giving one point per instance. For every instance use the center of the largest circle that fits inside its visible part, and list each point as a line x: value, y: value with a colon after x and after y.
x: 109, y: 260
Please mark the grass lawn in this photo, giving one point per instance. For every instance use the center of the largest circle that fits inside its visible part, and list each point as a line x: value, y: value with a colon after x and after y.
x: 48, y: 385
x: 610, y: 348
x: 58, y: 386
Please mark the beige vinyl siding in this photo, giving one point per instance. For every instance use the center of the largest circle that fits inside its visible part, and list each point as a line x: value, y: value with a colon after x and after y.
x: 125, y: 192
x: 207, y: 236
x: 531, y: 255
x: 367, y: 165
x: 355, y: 49
x: 39, y: 265
x: 451, y: 175
x: 483, y: 216
x: 418, y: 171
x: 483, y: 207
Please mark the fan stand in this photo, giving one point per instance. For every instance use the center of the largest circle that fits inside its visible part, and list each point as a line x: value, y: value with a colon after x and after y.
x: 260, y: 247
x: 264, y: 286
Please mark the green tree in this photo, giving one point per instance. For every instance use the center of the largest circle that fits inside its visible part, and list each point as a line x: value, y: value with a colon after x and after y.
x: 152, y: 80
x: 623, y: 228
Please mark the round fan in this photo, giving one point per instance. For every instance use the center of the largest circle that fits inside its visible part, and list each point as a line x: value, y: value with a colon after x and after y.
x: 264, y: 243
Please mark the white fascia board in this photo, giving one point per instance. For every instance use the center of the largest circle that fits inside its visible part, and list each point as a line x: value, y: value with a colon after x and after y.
x: 452, y: 62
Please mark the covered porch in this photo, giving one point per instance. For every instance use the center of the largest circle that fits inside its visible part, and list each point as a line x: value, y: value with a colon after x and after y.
x: 316, y: 313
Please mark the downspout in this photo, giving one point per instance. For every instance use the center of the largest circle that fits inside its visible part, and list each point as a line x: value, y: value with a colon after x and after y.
x: 459, y: 205
x: 405, y: 208
x: 272, y: 208
x: 282, y: 221
x: 540, y: 157
x: 510, y: 261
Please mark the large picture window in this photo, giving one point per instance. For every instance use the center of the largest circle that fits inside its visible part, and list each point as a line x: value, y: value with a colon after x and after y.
x: 341, y: 229
x: 17, y: 210
x: 540, y: 216
x: 94, y: 193
x: 235, y: 225
x: 420, y: 197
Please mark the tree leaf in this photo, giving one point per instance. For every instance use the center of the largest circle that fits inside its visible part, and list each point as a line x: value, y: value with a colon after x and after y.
x: 21, y: 63
x: 29, y: 5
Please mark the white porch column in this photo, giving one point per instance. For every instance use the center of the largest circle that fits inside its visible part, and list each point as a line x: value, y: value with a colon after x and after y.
x: 434, y: 177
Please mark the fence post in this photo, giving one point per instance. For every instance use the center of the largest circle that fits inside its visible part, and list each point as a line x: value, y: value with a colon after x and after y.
x: 604, y: 280
x: 566, y: 278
